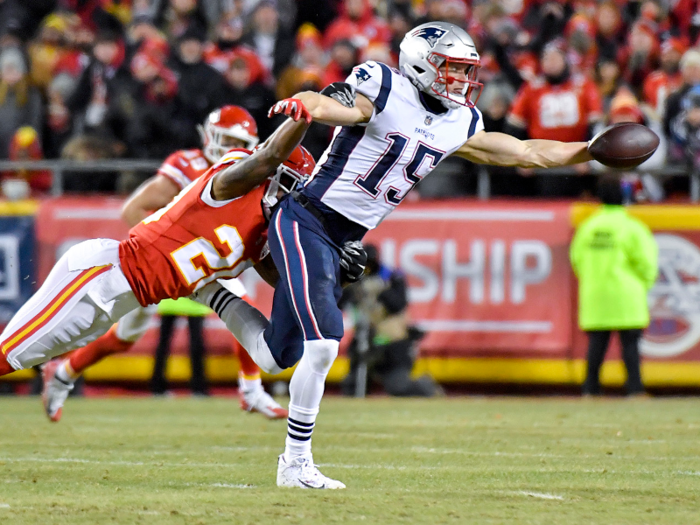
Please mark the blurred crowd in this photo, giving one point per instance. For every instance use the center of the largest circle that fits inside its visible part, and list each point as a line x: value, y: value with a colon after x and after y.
x: 95, y: 79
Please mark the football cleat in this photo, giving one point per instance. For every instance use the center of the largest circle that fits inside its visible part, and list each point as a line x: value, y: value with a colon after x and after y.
x: 302, y: 473
x: 55, y: 391
x: 260, y: 401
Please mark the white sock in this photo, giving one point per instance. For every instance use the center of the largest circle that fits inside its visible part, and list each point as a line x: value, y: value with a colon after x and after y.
x: 244, y: 321
x: 306, y: 390
x: 64, y: 375
x: 249, y: 385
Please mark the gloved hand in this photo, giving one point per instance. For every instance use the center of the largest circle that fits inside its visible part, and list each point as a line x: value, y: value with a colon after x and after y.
x: 353, y: 260
x: 292, y: 107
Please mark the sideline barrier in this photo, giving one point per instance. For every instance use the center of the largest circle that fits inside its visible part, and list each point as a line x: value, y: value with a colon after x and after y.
x: 491, y: 283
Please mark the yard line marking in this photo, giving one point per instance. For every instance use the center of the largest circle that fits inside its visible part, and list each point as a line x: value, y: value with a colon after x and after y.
x: 689, y: 472
x: 4, y: 506
x: 541, y: 495
x: 231, y: 485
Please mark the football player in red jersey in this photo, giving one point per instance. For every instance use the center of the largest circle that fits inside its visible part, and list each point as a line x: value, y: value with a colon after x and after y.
x: 225, y: 128
x: 214, y: 229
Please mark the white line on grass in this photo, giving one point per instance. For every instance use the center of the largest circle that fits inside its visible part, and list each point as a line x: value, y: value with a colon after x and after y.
x: 541, y: 495
x: 4, y: 506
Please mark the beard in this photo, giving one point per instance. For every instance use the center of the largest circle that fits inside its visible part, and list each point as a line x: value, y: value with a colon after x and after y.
x: 556, y: 80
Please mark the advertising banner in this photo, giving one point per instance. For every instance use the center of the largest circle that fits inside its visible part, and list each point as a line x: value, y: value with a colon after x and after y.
x: 485, y: 279
x: 17, y: 268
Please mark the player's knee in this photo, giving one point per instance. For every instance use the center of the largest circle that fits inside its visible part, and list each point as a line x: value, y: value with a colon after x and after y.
x: 321, y: 354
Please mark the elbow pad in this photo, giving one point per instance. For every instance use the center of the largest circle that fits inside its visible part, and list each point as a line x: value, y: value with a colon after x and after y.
x: 341, y: 92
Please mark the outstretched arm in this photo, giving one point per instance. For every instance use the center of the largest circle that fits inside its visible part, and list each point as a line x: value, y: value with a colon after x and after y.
x: 499, y: 149
x: 241, y: 177
x: 328, y: 111
x: 268, y: 271
x: 152, y: 195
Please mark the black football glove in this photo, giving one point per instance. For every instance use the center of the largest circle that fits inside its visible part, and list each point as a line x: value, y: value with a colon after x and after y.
x: 353, y: 259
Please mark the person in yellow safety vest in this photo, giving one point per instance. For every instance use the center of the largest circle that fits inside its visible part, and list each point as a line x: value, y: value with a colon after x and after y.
x: 615, y: 258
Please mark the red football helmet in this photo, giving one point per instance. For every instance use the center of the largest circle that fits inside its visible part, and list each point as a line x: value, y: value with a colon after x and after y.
x: 227, y: 122
x: 296, y: 169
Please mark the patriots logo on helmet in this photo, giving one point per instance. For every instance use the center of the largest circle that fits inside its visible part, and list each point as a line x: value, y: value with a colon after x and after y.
x: 361, y: 75
x: 431, y: 34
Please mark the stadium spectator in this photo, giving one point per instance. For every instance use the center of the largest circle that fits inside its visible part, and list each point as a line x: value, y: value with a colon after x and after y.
x: 175, y: 17
x: 148, y: 106
x: 59, y: 125
x: 608, y: 78
x: 26, y: 145
x: 609, y: 26
x: 20, y: 102
x: 253, y: 95
x: 201, y: 87
x: 614, y: 257
x: 665, y: 80
x: 690, y: 73
x: 308, y: 60
x: 228, y: 45
x: 270, y: 40
x: 358, y: 24
x: 384, y: 342
x: 46, y: 52
x: 557, y: 106
x: 685, y: 130
x: 641, y: 55
x: 344, y: 56
x: 99, y: 85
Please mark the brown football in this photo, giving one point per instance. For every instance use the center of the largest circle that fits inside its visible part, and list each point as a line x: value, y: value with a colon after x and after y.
x: 623, y: 146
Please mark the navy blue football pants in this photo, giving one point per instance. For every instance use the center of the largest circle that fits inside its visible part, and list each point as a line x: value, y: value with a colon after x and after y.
x: 305, y: 304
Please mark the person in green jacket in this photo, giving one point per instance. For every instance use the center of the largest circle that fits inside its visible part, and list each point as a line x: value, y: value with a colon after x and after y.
x: 614, y: 257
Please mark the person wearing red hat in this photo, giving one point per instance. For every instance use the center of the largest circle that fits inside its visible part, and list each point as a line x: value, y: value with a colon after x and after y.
x: 357, y: 24
x: 665, y: 80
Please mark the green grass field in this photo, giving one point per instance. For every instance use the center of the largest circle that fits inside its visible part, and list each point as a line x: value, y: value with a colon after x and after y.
x: 455, y: 460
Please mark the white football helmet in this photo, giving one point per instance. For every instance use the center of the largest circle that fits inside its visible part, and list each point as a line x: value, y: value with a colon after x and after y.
x: 427, y: 47
x: 227, y: 122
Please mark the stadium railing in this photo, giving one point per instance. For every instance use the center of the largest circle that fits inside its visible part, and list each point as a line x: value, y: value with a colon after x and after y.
x: 59, y: 167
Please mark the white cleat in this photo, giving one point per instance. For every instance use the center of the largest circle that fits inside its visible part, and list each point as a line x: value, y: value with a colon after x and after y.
x: 55, y: 391
x: 260, y: 401
x: 302, y: 473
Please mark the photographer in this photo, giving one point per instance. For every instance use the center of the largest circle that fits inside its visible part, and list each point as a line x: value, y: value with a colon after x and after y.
x: 384, y: 341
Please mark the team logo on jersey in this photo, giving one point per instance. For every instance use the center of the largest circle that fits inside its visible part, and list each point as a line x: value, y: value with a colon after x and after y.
x: 431, y: 35
x: 674, y: 301
x: 428, y: 120
x: 361, y: 75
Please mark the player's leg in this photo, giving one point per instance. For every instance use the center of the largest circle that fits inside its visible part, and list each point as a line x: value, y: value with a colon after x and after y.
x: 307, y: 294
x: 60, y: 376
x: 78, y: 302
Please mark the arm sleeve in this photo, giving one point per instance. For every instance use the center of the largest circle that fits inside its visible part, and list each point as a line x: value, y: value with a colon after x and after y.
x: 171, y: 170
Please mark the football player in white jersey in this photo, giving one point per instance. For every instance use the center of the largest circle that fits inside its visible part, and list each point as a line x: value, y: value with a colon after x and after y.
x: 394, y: 127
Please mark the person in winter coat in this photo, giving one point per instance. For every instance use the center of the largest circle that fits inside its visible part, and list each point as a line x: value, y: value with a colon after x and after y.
x: 615, y: 258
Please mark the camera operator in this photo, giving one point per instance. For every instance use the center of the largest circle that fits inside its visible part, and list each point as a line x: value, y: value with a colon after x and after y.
x: 385, y: 342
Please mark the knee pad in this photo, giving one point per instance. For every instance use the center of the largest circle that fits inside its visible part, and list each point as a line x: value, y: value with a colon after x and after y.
x: 321, y: 353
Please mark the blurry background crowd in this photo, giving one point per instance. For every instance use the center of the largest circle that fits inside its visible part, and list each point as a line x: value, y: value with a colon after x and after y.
x: 102, y: 79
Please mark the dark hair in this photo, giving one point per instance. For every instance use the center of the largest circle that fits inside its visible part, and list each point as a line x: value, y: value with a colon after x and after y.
x: 610, y: 189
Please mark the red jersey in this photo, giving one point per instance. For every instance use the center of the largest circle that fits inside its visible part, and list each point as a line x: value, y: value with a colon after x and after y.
x: 657, y: 87
x: 184, y: 166
x: 194, y: 240
x: 562, y: 112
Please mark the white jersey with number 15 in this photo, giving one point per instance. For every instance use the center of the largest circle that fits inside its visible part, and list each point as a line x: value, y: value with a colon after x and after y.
x: 368, y: 169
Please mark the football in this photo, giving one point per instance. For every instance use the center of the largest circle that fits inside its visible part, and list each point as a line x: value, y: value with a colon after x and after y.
x: 623, y: 146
